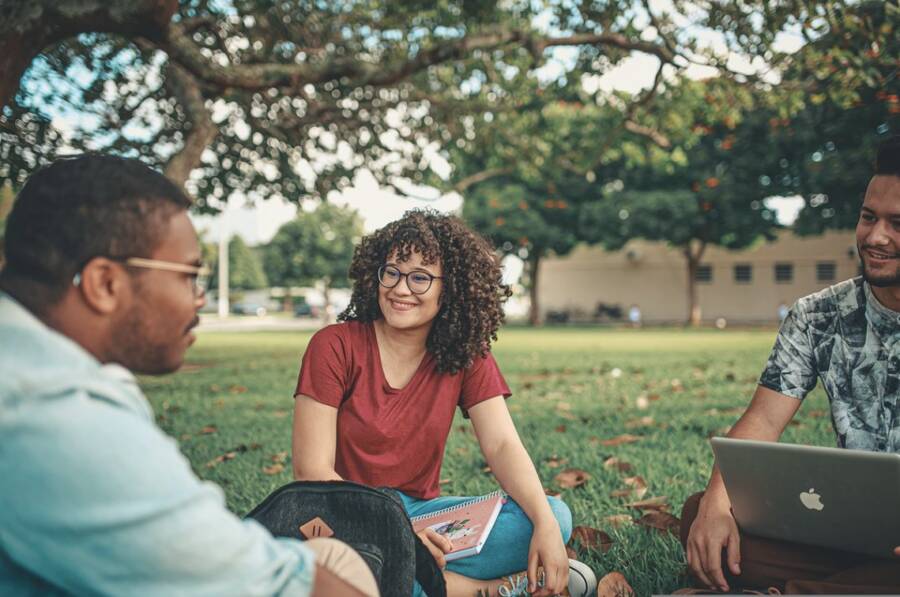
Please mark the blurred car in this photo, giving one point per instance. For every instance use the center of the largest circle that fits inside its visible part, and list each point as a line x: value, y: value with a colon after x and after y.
x: 248, y: 309
x: 304, y: 309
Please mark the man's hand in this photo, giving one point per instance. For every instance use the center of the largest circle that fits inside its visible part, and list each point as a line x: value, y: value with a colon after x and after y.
x: 714, y: 529
x: 437, y: 544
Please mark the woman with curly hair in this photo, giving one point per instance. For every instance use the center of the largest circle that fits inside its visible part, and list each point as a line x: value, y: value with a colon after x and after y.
x: 376, y: 397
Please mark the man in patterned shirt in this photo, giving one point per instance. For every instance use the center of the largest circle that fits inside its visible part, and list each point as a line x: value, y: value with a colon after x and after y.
x: 847, y: 336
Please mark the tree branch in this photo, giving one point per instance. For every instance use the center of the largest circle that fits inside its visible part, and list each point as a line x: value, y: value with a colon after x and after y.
x: 181, y: 48
x: 26, y: 28
x: 615, y: 40
x: 478, y: 177
x: 202, y: 132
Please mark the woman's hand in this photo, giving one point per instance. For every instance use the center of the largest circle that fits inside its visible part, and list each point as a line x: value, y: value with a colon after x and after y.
x: 547, y: 550
x: 437, y: 544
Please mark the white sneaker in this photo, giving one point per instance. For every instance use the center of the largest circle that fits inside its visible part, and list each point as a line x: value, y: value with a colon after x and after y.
x: 582, y: 581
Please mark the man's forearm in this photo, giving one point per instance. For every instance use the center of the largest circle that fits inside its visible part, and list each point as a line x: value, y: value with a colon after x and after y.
x: 329, y: 585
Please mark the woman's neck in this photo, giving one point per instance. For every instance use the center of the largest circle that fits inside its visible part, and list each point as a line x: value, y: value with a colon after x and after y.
x: 406, y: 344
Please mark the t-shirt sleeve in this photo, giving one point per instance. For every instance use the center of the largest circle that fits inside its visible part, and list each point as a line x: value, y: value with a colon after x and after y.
x: 482, y: 380
x: 324, y: 369
x: 791, y: 368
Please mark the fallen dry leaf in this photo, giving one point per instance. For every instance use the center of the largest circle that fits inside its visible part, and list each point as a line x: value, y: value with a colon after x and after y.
x: 614, y: 585
x: 220, y: 459
x: 572, y: 477
x: 618, y: 520
x: 237, y: 389
x: 816, y: 413
x: 209, y: 429
x: 563, y: 406
x: 677, y: 386
x: 620, y: 493
x: 625, y: 438
x: 486, y: 469
x: 638, y: 484
x: 642, y: 403
x: 443, y: 481
x: 661, y: 521
x: 639, y: 422
x: 274, y: 469
x: 560, y: 429
x: 279, y: 457
x: 653, y: 397
x: 281, y: 414
x: 619, y: 465
x: 551, y: 492
x: 590, y: 538
x: 555, y: 461
x: 660, y: 503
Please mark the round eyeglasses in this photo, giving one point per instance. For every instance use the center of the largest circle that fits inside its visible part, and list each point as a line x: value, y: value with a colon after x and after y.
x: 417, y: 281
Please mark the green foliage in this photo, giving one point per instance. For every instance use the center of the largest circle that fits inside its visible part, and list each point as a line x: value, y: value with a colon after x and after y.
x: 316, y: 246
x: 566, y: 398
x: 245, y: 268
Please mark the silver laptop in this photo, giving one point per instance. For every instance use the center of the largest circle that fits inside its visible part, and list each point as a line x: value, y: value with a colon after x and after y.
x: 844, y: 499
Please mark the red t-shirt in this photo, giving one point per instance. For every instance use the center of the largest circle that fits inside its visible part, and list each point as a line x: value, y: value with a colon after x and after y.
x: 388, y: 437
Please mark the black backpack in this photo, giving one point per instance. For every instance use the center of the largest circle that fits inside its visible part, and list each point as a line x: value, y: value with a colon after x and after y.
x: 372, y: 521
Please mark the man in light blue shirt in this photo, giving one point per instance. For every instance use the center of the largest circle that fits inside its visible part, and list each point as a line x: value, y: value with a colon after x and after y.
x: 101, y: 279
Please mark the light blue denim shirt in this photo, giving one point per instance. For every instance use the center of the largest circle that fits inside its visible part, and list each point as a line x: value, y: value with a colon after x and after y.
x: 96, y: 500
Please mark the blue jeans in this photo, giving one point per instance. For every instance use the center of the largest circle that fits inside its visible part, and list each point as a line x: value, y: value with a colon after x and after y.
x: 506, y: 550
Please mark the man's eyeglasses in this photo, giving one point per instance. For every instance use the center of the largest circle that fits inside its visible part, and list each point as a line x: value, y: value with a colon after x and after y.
x: 418, y: 282
x: 198, y: 273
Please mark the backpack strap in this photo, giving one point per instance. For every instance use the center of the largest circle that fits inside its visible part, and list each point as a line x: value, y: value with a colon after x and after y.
x: 428, y: 575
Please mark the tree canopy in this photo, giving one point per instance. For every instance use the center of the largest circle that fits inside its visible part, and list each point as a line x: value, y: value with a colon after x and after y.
x: 278, y: 98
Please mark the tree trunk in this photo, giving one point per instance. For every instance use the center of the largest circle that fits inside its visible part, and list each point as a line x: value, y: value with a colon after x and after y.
x: 534, y: 312
x: 693, y: 258
x: 26, y: 28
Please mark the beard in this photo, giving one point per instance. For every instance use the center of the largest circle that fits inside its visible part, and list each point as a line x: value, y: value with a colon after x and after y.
x: 143, y: 345
x: 883, y: 279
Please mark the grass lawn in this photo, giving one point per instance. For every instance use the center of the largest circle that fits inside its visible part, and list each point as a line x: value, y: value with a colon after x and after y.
x: 230, y: 409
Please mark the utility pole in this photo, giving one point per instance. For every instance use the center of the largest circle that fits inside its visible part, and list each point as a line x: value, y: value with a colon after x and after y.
x: 223, y: 275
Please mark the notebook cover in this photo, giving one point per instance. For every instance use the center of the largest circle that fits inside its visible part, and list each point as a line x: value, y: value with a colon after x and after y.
x: 467, y: 525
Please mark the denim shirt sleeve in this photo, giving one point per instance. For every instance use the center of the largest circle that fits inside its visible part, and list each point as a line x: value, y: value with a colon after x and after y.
x: 791, y: 368
x: 98, y: 500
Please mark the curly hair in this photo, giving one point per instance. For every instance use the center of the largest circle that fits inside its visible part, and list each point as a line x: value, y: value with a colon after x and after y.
x: 473, y: 292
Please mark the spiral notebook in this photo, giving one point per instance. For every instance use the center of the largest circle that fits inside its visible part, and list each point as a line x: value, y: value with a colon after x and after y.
x: 467, y: 525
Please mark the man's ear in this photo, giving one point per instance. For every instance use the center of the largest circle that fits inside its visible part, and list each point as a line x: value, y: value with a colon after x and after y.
x: 104, y: 285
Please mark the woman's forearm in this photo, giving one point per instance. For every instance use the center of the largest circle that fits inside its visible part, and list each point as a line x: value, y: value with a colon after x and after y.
x: 514, y: 470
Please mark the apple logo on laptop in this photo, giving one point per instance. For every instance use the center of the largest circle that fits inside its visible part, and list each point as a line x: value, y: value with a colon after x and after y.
x: 811, y: 499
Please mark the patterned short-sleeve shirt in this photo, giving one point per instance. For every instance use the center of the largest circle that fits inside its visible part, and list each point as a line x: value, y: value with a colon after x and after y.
x: 844, y: 337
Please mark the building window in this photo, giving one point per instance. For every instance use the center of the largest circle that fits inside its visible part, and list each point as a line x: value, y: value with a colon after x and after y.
x: 704, y: 273
x: 743, y: 273
x: 826, y: 271
x: 784, y: 272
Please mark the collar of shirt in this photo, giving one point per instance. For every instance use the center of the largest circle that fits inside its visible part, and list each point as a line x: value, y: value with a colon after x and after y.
x: 37, y: 361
